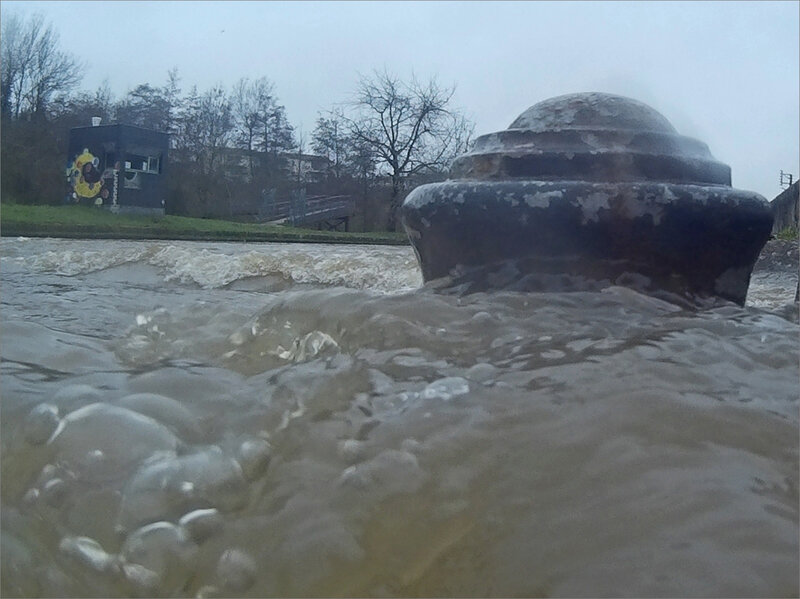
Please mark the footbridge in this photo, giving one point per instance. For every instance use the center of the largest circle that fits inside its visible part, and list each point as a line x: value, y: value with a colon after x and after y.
x: 331, y: 212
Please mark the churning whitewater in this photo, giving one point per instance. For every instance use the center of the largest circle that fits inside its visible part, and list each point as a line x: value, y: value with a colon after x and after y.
x: 198, y: 419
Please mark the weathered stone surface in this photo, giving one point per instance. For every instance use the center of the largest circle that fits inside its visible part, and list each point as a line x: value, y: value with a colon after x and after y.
x: 779, y: 256
x: 584, y: 191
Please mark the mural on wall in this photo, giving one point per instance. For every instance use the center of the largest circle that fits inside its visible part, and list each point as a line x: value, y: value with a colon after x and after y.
x: 88, y: 185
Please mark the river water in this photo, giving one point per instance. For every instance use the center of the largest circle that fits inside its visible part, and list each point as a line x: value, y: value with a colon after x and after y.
x: 199, y: 419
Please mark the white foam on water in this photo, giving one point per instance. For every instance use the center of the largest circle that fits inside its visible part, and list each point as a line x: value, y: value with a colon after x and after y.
x: 384, y: 270
x: 311, y: 264
x: 70, y: 262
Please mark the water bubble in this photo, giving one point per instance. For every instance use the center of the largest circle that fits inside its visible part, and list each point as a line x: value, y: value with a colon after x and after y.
x: 236, y: 570
x: 416, y: 361
x: 89, y: 552
x: 410, y: 445
x: 355, y: 477
x: 93, y: 458
x: 253, y: 457
x: 48, y: 472
x: 165, y: 410
x: 388, y: 473
x: 381, y: 383
x: 49, y: 486
x: 579, y: 345
x: 162, y: 549
x: 102, y: 442
x: 41, y: 423
x: 505, y: 340
x: 201, y: 524
x: 31, y: 496
x: 350, y: 450
x: 243, y: 335
x: 54, y: 492
x: 159, y: 490
x: 482, y: 317
x: 446, y: 388
x: 481, y: 373
x: 71, y: 397
x: 144, y: 580
x: 310, y: 346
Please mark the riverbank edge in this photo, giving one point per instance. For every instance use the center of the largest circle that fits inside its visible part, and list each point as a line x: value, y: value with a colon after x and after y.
x: 86, y: 222
x: 146, y: 233
x: 787, y: 249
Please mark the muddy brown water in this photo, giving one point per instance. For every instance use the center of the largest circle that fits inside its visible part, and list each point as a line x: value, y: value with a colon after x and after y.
x: 196, y: 419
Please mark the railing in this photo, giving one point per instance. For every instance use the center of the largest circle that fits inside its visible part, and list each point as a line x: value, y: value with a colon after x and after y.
x: 299, y: 209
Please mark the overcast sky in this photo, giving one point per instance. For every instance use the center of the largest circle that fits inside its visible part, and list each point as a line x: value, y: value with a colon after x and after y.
x: 724, y: 72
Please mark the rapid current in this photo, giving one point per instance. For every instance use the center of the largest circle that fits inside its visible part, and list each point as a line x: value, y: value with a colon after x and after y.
x: 209, y: 419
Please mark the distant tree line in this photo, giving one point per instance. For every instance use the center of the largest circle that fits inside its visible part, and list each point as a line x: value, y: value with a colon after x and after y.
x: 229, y: 147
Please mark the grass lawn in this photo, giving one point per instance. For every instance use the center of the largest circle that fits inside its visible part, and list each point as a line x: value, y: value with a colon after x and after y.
x: 87, y: 222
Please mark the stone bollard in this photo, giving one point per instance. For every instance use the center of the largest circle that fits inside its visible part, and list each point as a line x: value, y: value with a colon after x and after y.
x: 585, y: 191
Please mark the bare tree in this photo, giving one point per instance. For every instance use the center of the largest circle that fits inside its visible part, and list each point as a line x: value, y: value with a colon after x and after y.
x: 76, y: 109
x: 410, y: 127
x: 145, y: 106
x: 172, y: 97
x: 11, y: 66
x: 262, y: 128
x: 331, y: 139
x: 206, y: 128
x: 34, y: 69
x: 104, y: 99
x: 301, y: 148
x: 251, y: 102
x: 277, y: 135
x: 152, y: 107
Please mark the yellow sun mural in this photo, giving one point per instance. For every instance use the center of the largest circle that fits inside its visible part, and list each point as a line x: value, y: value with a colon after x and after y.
x: 84, y: 177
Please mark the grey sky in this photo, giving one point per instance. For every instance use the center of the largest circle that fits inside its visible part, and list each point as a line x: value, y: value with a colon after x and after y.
x: 724, y: 72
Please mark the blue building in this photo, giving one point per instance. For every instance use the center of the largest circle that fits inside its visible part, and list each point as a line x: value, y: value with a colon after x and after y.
x: 119, y: 167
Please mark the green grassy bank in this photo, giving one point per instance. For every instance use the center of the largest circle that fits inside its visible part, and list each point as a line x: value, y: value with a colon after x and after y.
x: 18, y: 220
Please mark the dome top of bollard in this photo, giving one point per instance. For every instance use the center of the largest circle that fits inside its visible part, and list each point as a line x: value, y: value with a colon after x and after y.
x: 591, y: 137
x: 582, y: 192
x: 592, y: 110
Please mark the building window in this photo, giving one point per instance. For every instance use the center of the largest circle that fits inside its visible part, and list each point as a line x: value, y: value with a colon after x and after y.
x: 142, y: 164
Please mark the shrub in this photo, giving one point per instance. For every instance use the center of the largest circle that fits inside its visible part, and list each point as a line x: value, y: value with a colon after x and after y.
x: 788, y: 234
